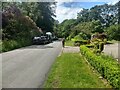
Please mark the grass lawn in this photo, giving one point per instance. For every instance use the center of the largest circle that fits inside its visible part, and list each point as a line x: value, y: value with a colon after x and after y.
x: 0, y: 46
x: 71, y: 71
x: 69, y: 43
x: 112, y: 41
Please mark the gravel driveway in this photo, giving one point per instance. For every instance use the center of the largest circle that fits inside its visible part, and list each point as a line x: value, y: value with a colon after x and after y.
x: 70, y: 49
x: 112, y: 49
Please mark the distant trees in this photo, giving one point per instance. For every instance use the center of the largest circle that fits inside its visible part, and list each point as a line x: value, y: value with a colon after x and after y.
x: 64, y: 29
x: 113, y: 32
x: 100, y: 18
x: 97, y: 26
x: 47, y: 11
x: 106, y: 14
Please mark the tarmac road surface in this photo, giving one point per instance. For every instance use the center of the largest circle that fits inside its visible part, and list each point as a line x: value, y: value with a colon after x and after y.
x: 28, y: 67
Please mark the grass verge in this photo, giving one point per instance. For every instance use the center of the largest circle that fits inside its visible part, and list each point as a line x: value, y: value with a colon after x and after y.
x: 71, y: 71
x: 69, y: 43
x: 107, y: 66
x: 112, y: 42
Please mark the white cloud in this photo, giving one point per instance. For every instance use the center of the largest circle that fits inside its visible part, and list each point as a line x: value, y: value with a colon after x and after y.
x: 86, y: 0
x: 112, y: 2
x: 63, y: 13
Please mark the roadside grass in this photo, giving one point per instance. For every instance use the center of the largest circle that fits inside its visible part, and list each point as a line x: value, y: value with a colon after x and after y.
x: 112, y: 42
x: 69, y: 43
x: 14, y: 44
x: 71, y: 71
x: 0, y: 46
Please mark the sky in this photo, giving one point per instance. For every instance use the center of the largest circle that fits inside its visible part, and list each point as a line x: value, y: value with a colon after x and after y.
x: 68, y: 9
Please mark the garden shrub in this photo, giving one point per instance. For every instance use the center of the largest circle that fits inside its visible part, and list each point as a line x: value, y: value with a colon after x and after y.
x: 105, y: 41
x: 14, y: 44
x: 101, y: 46
x: 80, y: 42
x: 77, y: 38
x: 76, y: 44
x: 90, y: 45
x: 98, y: 45
x: 9, y: 45
x: 17, y: 29
x: 108, y: 67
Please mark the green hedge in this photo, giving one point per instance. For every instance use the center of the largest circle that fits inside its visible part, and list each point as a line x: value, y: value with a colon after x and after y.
x: 80, y: 42
x: 107, y: 66
x: 90, y: 45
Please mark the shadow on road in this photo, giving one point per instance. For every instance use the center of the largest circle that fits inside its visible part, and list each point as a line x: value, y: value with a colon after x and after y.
x: 38, y: 47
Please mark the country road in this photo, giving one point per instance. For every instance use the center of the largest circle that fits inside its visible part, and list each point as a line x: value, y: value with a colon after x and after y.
x: 27, y: 67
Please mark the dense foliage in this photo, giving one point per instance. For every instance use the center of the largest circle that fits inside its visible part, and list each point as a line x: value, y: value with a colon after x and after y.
x: 64, y: 29
x: 113, y: 32
x: 15, y: 25
x: 22, y: 21
x: 100, y: 18
x: 106, y: 65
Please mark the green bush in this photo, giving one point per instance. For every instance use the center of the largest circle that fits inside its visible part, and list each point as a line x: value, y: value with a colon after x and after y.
x: 107, y: 66
x: 105, y: 41
x: 78, y: 37
x: 113, y: 32
x: 9, y: 45
x: 98, y: 45
x: 90, y: 45
x: 101, y: 46
x: 80, y: 42
x: 14, y: 44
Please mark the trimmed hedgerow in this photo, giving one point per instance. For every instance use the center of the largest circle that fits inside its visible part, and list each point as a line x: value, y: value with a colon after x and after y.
x: 80, y: 42
x: 107, y: 67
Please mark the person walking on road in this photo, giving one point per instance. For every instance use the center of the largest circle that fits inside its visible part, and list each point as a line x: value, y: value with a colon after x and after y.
x: 63, y: 42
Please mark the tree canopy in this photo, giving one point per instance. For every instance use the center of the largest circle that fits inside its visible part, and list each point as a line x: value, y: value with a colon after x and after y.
x: 27, y: 18
x: 100, y: 18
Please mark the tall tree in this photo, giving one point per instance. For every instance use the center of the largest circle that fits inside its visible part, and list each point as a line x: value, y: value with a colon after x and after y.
x: 106, y: 14
x: 45, y: 19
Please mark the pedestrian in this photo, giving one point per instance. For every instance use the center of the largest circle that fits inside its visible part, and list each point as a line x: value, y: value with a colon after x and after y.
x: 63, y: 42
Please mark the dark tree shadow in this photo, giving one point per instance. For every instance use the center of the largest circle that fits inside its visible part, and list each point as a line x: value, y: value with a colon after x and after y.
x: 37, y: 47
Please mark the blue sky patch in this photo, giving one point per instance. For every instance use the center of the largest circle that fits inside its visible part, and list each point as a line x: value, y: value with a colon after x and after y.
x: 86, y: 5
x: 68, y: 9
